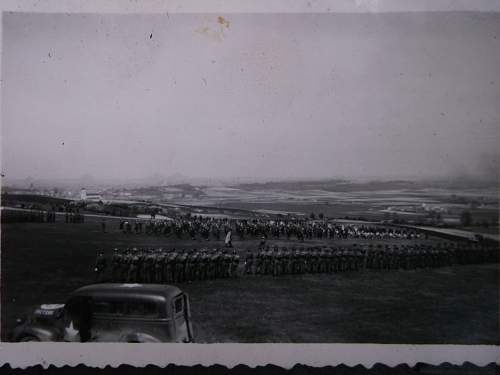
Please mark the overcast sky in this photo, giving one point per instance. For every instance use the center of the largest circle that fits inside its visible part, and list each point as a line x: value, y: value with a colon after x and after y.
x: 270, y: 96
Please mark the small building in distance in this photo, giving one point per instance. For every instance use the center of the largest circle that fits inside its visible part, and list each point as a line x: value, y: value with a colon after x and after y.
x: 90, y: 197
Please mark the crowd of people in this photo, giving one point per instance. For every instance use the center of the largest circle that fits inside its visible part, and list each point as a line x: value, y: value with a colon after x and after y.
x: 301, y: 229
x: 169, y: 266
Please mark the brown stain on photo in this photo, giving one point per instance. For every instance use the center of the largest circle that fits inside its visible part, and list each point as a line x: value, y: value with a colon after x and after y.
x: 217, y: 33
x: 223, y: 21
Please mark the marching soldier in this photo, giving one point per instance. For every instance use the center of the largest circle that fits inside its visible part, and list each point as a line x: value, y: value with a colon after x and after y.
x: 295, y: 260
x: 262, y: 244
x: 203, y: 265
x: 228, y: 241
x: 180, y: 270
x: 159, y: 265
x: 313, y: 261
x: 133, y: 267
x: 219, y: 263
x: 212, y: 265
x: 329, y: 260
x: 266, y: 260
x: 193, y: 265
x: 171, y: 267
x: 226, y: 264
x: 287, y: 262
x: 189, y: 266
x: 276, y: 262
x: 259, y: 263
x: 100, y: 266
x: 235, y: 260
x: 148, y: 267
x: 303, y: 264
x: 322, y: 261
x: 249, y: 262
x: 124, y: 264
x: 116, y: 261
x: 343, y: 260
x: 337, y: 258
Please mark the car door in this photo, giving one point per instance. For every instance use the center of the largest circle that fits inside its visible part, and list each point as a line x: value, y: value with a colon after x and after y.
x: 119, y: 320
x: 106, y: 320
x: 146, y: 322
x: 78, y: 319
x: 187, y: 317
x: 179, y: 311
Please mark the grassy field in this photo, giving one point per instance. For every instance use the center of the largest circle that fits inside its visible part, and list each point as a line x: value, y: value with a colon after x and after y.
x: 460, y: 305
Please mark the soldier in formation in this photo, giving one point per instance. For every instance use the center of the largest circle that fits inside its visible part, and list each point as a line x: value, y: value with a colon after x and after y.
x: 283, y: 261
x: 100, y: 266
x: 189, y: 228
x: 73, y: 216
x: 209, y: 228
x: 287, y: 261
x: 172, y: 266
x: 429, y: 255
x: 31, y: 216
x: 177, y: 266
x: 50, y: 216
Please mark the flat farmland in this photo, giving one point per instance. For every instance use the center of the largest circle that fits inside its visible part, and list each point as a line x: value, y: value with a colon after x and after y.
x: 43, y: 263
x: 369, y: 201
x: 307, y: 207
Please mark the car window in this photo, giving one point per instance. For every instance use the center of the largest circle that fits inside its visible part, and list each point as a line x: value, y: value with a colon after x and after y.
x: 179, y: 305
x: 103, y: 307
x: 148, y: 309
x: 127, y: 308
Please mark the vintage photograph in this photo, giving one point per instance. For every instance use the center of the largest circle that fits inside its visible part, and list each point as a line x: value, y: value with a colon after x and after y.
x: 250, y: 178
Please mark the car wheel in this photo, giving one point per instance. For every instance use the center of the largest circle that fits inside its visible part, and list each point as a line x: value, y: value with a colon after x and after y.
x: 29, y: 338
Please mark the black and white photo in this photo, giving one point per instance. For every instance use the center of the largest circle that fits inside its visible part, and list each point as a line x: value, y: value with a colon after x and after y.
x: 250, y: 178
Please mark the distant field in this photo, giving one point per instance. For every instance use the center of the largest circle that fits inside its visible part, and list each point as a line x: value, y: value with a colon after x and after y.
x: 370, y: 204
x: 329, y: 210
x: 402, y: 200
x: 44, y: 262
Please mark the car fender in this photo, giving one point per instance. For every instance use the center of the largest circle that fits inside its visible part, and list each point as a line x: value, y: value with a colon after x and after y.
x: 42, y: 334
x: 139, y: 337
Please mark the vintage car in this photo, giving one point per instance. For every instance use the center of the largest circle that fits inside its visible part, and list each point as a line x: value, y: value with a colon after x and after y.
x: 112, y: 313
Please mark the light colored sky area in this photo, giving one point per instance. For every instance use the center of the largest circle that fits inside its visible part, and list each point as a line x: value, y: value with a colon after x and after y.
x: 269, y: 96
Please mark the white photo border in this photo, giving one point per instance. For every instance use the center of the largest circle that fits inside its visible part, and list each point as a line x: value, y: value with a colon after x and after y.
x: 23, y: 355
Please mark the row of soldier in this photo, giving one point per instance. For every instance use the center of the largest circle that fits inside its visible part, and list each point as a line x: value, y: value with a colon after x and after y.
x: 279, y: 261
x: 74, y: 217
x: 284, y: 261
x: 215, y: 228
x: 31, y: 216
x: 171, y: 266
x: 159, y: 266
x: 178, y: 228
x: 319, y: 229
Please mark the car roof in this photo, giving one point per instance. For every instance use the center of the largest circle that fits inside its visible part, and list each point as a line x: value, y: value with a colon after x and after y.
x: 129, y: 290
